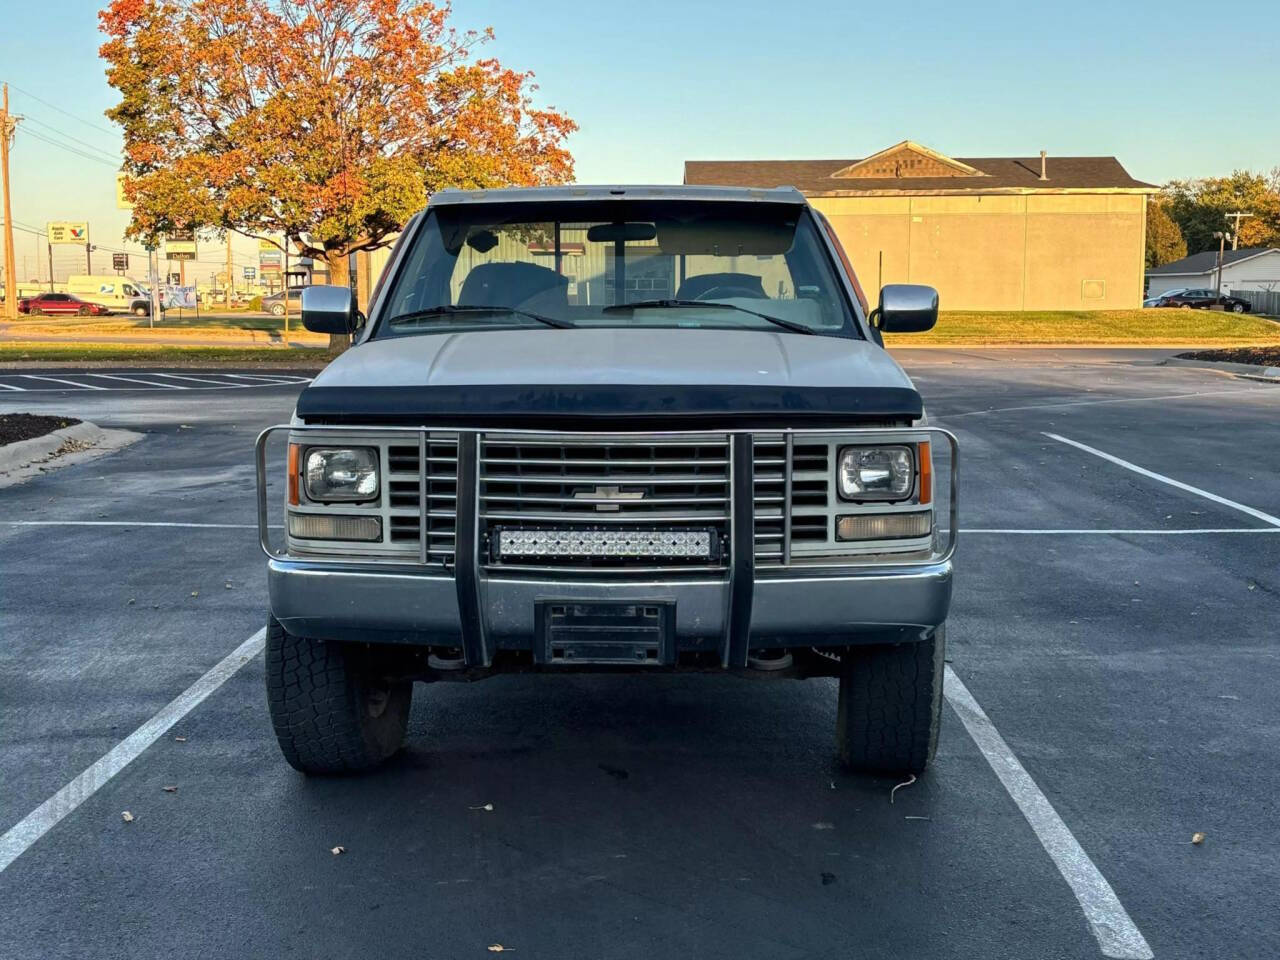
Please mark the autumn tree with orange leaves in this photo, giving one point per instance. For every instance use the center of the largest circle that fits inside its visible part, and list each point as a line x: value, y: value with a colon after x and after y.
x: 327, y: 122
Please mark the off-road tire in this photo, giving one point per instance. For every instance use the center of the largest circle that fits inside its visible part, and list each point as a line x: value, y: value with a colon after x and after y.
x: 890, y: 705
x: 331, y: 711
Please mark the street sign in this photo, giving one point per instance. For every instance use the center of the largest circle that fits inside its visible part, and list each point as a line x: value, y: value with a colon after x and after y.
x: 76, y: 231
x: 250, y: 273
x: 122, y: 202
x: 180, y: 244
x: 119, y: 261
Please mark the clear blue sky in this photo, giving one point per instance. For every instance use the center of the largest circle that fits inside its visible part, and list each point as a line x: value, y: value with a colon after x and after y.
x: 1173, y: 88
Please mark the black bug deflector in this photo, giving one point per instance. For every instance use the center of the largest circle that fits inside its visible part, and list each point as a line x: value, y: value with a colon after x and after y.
x: 626, y: 407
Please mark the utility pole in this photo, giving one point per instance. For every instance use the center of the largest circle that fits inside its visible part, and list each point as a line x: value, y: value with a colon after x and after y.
x: 1222, y: 237
x: 230, y: 279
x: 7, y: 125
x: 1235, y: 234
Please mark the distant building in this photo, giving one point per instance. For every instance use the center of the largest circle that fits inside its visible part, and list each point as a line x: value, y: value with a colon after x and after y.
x: 1251, y: 268
x: 991, y: 233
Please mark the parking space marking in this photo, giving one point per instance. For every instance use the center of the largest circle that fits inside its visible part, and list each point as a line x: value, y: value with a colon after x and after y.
x: 1090, y: 403
x: 70, y: 383
x: 179, y: 376
x: 210, y: 381
x: 1136, y: 533
x: 127, y: 523
x: 19, y: 838
x: 146, y: 383
x: 1250, y: 511
x: 1117, y: 934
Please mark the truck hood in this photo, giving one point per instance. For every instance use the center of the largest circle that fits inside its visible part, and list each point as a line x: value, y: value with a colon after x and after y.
x: 515, y: 377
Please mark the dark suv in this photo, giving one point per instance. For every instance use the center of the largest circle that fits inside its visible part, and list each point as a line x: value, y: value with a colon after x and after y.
x: 1203, y: 300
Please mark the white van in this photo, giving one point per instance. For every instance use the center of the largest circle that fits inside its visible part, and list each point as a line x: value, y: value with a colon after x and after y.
x: 117, y: 293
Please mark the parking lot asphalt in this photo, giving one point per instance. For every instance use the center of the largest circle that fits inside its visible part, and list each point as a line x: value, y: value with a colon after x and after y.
x: 1118, y: 630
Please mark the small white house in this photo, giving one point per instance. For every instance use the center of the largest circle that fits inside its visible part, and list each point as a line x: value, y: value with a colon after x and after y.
x: 1252, y: 268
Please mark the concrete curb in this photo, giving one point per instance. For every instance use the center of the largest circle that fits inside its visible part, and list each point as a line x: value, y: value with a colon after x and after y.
x: 1251, y: 370
x: 75, y: 444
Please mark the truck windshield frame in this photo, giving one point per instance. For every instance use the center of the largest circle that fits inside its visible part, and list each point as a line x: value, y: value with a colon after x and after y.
x: 582, y: 263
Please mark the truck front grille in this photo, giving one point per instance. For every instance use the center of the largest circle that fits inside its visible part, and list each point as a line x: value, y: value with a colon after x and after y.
x: 580, y: 485
x: 405, y: 475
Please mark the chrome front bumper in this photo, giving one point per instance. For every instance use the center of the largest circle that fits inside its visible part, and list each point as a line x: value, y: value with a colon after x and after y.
x: 406, y: 606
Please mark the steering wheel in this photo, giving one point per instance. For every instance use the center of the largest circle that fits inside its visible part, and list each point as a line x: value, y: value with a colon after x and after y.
x: 728, y: 292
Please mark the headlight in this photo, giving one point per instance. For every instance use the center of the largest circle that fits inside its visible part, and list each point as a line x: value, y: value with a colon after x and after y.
x: 341, y: 473
x: 876, y: 473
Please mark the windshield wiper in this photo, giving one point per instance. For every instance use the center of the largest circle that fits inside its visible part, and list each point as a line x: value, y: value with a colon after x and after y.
x: 446, y: 309
x: 664, y: 304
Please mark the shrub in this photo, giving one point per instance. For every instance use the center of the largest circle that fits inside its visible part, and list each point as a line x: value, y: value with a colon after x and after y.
x: 256, y: 303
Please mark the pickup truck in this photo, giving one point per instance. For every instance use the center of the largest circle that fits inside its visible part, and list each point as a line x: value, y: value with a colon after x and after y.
x: 605, y: 429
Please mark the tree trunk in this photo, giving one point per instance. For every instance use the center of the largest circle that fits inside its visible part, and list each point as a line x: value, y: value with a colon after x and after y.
x: 338, y: 276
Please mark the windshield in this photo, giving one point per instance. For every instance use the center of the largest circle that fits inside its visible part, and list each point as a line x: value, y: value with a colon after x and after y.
x: 618, y: 264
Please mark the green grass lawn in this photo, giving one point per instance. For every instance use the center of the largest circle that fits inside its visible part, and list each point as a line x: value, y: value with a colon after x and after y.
x: 1152, y: 326
x: 188, y: 324
x: 161, y: 355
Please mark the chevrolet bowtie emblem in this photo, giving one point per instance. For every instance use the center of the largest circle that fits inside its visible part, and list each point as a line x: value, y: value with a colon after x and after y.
x: 608, y: 493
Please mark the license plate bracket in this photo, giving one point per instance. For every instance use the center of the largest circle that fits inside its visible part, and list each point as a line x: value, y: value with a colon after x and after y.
x: 630, y: 633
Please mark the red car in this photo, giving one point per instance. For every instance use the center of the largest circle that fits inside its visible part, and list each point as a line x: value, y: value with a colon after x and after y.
x: 60, y: 303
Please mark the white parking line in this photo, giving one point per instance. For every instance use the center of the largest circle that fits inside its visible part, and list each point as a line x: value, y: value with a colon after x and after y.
x: 1117, y: 934
x: 9, y: 386
x: 1112, y: 533
x: 19, y: 838
x: 149, y: 383
x: 179, y: 376
x: 127, y: 523
x: 70, y: 383
x: 1258, y: 514
x: 277, y: 378
x: 1090, y: 403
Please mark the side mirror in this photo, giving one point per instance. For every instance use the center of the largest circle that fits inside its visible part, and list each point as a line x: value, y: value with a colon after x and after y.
x: 328, y: 309
x: 907, y: 308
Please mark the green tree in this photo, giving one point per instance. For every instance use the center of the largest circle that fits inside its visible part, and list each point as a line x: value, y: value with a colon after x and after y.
x: 1200, y: 207
x: 1164, y: 239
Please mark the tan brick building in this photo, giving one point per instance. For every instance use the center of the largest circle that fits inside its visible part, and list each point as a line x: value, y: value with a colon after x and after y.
x: 991, y: 233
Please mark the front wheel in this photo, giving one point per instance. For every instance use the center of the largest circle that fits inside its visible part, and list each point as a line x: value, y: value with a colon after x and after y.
x: 277, y: 310
x: 139, y: 311
x: 332, y: 709
x: 83, y: 312
x: 1237, y: 308
x: 890, y: 705
x: 36, y: 311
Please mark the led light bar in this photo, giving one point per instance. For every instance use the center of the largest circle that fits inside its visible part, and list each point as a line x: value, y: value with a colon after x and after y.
x: 884, y: 526
x: 682, y: 544
x: 313, y: 526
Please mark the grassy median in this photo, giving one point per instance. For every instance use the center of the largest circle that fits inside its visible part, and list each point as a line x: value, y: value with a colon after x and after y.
x: 259, y: 327
x: 1090, y: 327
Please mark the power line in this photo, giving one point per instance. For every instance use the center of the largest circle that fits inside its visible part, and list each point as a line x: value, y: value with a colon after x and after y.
x: 53, y: 106
x: 62, y: 133
x: 84, y: 155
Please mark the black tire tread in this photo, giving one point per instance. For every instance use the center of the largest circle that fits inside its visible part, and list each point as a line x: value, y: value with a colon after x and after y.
x: 890, y: 706
x: 314, y: 697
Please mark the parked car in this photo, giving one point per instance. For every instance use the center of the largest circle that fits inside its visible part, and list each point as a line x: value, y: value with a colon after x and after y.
x: 1203, y: 300
x: 274, y: 303
x: 683, y: 448
x: 61, y: 303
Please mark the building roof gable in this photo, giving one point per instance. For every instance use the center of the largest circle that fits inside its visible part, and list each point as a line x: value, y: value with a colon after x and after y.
x: 906, y: 159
